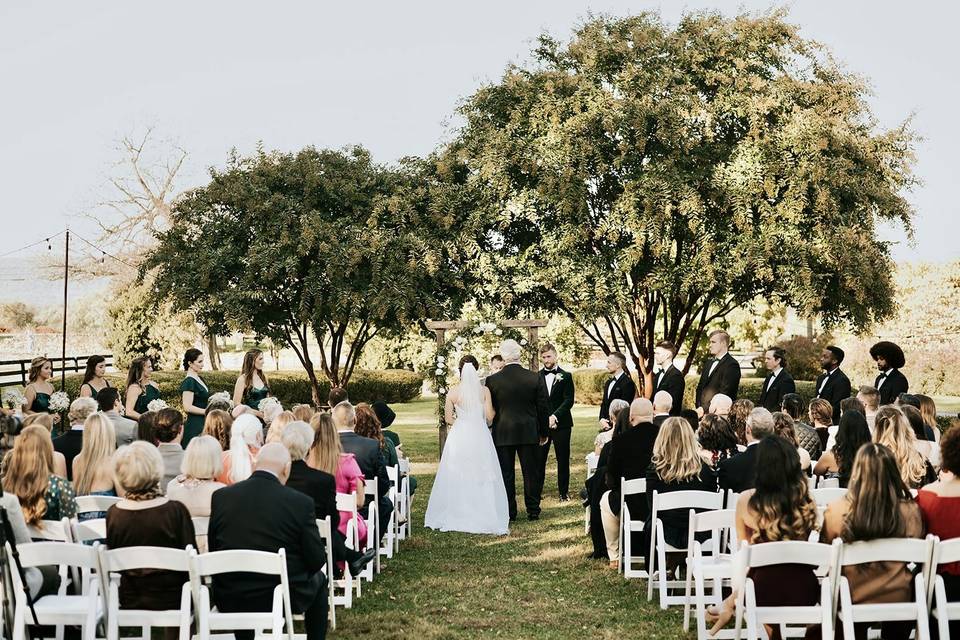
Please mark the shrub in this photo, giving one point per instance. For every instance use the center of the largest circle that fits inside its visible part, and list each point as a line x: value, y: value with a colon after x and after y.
x: 803, y: 356
x: 588, y: 385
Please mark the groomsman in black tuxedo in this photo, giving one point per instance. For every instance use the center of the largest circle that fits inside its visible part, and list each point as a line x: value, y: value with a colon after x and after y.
x: 559, y: 385
x: 833, y: 385
x: 891, y: 382
x: 778, y: 382
x: 666, y: 377
x: 620, y: 385
x: 719, y: 374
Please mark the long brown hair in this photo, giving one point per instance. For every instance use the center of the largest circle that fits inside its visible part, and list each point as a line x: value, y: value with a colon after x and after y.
x: 782, y: 502
x: 135, y: 372
x: 217, y: 424
x: 326, y: 449
x: 91, y: 371
x: 368, y: 424
x: 875, y: 492
x: 248, y: 369
x: 28, y: 469
x: 36, y: 366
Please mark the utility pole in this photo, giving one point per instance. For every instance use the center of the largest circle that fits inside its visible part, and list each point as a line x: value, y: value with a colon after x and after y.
x: 63, y: 345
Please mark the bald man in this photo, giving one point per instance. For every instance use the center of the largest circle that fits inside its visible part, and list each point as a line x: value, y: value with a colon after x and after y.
x: 261, y: 514
x: 662, y: 407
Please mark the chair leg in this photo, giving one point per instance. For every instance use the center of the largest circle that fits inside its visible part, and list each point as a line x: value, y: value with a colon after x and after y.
x: 652, y: 569
x: 940, y: 602
x: 687, y: 594
x: 846, y: 608
x: 662, y: 561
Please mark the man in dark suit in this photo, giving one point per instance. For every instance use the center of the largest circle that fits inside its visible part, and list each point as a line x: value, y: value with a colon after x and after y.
x: 666, y: 377
x: 70, y: 442
x: 261, y: 514
x: 739, y: 473
x: 520, y: 427
x: 720, y: 374
x: 369, y: 458
x: 778, y: 382
x: 891, y: 382
x: 833, y: 385
x: 560, y: 395
x: 619, y: 386
x: 662, y: 404
x: 322, y: 489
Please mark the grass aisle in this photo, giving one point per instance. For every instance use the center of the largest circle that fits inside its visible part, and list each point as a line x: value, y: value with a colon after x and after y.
x: 535, y: 583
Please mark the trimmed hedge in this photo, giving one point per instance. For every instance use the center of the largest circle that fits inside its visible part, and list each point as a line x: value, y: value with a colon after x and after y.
x: 391, y: 385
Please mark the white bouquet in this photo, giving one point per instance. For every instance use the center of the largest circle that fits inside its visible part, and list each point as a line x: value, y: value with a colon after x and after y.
x: 59, y: 402
x: 268, y: 404
x: 156, y: 405
x: 221, y: 396
x: 13, y: 399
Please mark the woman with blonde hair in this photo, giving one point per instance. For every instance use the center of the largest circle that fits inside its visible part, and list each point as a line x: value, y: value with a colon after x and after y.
x: 277, y: 424
x: 218, y: 424
x: 246, y: 439
x: 29, y: 475
x: 303, y: 412
x: 820, y: 413
x: 194, y: 487
x: 93, y: 466
x: 251, y: 386
x: 928, y: 409
x: 38, y: 389
x: 892, y: 429
x: 327, y: 455
x: 46, y: 421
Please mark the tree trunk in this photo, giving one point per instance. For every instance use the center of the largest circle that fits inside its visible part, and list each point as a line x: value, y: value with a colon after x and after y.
x: 214, y: 351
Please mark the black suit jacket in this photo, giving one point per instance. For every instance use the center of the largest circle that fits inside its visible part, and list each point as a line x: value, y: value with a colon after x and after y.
x: 772, y: 399
x: 630, y: 456
x: 560, y: 398
x: 320, y: 486
x: 623, y: 389
x: 725, y: 380
x: 519, y: 398
x: 739, y: 472
x: 895, y: 384
x: 836, y: 389
x: 369, y: 458
x: 671, y: 380
x: 261, y: 514
x: 69, y: 444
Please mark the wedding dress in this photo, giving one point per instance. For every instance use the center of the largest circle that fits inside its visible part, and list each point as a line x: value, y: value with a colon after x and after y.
x: 468, y: 494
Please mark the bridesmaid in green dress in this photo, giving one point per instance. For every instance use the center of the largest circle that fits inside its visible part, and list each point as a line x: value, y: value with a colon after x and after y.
x: 252, y: 385
x: 141, y: 390
x: 195, y: 395
x: 38, y: 389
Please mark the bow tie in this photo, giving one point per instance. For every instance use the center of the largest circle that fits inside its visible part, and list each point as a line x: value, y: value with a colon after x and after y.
x: 548, y: 371
x: 883, y: 375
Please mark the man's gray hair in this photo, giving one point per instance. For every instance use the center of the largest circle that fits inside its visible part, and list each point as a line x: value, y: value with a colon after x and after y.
x: 297, y: 438
x: 760, y: 423
x: 510, y: 350
x: 662, y: 401
x: 617, y: 405
x: 344, y: 415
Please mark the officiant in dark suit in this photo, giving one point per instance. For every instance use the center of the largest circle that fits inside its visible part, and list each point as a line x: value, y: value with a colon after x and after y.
x: 620, y: 385
x: 666, y: 377
x: 833, y: 385
x: 520, y: 427
x: 560, y: 394
x: 719, y: 374
x: 891, y: 382
x: 778, y: 382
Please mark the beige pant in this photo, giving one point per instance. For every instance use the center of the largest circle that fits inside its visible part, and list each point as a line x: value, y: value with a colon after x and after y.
x: 611, y: 527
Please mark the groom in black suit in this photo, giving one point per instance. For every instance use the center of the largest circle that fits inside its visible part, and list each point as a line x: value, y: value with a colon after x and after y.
x: 520, y: 427
x: 619, y: 386
x: 560, y: 394
x: 719, y: 374
x: 666, y: 377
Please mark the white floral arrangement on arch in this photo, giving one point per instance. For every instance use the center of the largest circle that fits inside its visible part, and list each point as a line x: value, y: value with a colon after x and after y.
x: 156, y: 404
x: 59, y: 402
x: 14, y: 399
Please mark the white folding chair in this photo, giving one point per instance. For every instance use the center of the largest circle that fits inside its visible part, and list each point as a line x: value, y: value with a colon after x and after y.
x: 347, y: 502
x: 83, y: 610
x: 95, y: 504
x: 406, y: 500
x: 815, y: 555
x: 326, y: 532
x: 115, y: 561
x: 628, y: 526
x: 201, y: 526
x: 823, y: 498
x: 709, y: 563
x: 906, y: 550
x: 592, y: 460
x: 732, y: 499
x: 697, y: 500
x: 812, y: 482
x: 370, y: 490
x: 207, y: 565
x: 52, y: 531
x: 389, y: 543
x: 943, y: 611
x: 88, y: 531
x: 829, y: 483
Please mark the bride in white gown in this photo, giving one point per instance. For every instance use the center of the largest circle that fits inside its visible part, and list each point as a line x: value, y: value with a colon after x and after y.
x: 468, y: 494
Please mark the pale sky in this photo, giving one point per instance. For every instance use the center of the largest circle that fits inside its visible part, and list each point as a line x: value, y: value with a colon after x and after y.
x: 214, y: 75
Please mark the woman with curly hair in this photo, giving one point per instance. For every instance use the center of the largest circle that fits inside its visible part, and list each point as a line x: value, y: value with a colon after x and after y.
x: 717, y: 440
x: 738, y: 419
x: 852, y: 434
x: 783, y: 427
x: 877, y: 505
x: 368, y: 426
x: 779, y: 508
x: 218, y: 424
x: 28, y: 474
x: 890, y: 382
x: 892, y: 430
x: 820, y: 413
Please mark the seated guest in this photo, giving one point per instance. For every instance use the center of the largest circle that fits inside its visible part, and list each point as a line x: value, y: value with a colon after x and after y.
x: 717, y: 440
x: 368, y: 426
x: 838, y: 461
x: 877, y: 505
x: 739, y: 472
x: 630, y: 456
x: 847, y: 404
x: 870, y: 398
x: 284, y: 520
x: 783, y: 427
x: 321, y: 487
x: 194, y: 487
x: 108, y: 401
x: 928, y: 409
x: 246, y: 438
x: 217, y: 424
x: 923, y: 430
x: 303, y: 412
x: 616, y: 406
x: 277, y: 424
x: 38, y: 581
x: 779, y: 508
x: 168, y: 430
x: 145, y: 426
x: 821, y: 417
x: 93, y: 466
x: 738, y: 419
x: 927, y: 447
x: 145, y: 517
x: 720, y: 405
x: 45, y: 420
x: 29, y: 475
x: 336, y: 396
x: 662, y: 406
x: 69, y: 443
x: 892, y: 430
x: 692, y: 418
x: 940, y: 504
x: 369, y: 456
x: 793, y: 406
x: 327, y: 455
x: 676, y: 466
x: 386, y: 416
x: 597, y: 487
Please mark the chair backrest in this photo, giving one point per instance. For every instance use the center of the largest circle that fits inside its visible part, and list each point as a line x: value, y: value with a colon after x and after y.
x: 201, y: 525
x: 707, y: 500
x: 52, y: 530
x: 393, y: 473
x: 829, y: 483
x: 127, y: 558
x: 824, y: 497
x: 905, y: 550
x: 42, y: 554
x: 732, y: 498
x: 241, y: 560
x: 633, y: 487
x: 404, y: 466
x: 89, y: 530
x: 814, y: 554
x: 710, y: 520
x: 370, y: 487
x: 86, y: 504
x: 947, y: 551
x: 812, y: 482
x: 347, y: 501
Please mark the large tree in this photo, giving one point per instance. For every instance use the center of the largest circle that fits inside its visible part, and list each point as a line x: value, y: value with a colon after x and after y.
x: 316, y: 247
x: 646, y: 179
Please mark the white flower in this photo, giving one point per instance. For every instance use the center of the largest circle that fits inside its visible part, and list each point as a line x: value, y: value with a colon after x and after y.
x: 477, y: 329
x: 221, y: 396
x: 442, y: 390
x: 268, y: 403
x: 498, y: 331
x: 156, y: 405
x: 439, y: 372
x: 59, y: 401
x: 14, y: 399
x: 440, y: 359
x: 490, y: 326
x: 523, y: 342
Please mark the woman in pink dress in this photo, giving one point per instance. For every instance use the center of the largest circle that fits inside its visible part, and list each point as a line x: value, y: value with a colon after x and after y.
x: 327, y: 455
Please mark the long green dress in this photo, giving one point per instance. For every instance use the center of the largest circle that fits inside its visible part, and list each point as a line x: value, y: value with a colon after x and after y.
x: 147, y: 395
x: 255, y: 396
x: 194, y: 425
x: 41, y: 403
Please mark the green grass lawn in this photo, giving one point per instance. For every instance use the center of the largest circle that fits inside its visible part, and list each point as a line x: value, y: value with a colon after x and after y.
x: 535, y: 583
